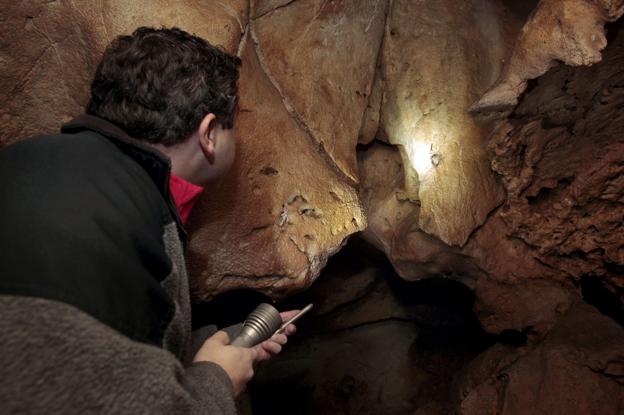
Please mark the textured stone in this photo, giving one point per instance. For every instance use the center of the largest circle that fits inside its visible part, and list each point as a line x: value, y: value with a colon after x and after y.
x: 577, y: 369
x: 514, y: 290
x: 392, y: 219
x: 36, y: 48
x: 271, y: 224
x: 433, y: 71
x: 531, y: 307
x: 382, y: 181
x: 370, y: 123
x: 569, y: 31
x: 324, y: 68
x: 376, y: 345
x: 40, y: 94
x: 262, y: 7
x: 560, y: 158
x: 49, y: 51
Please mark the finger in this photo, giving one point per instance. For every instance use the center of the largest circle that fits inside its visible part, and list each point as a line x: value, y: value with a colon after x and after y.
x: 287, y: 315
x: 272, y: 347
x: 290, y: 329
x: 279, y: 339
x: 220, y: 337
x: 262, y: 355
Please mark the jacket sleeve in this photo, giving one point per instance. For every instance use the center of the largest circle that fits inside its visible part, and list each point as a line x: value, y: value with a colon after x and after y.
x: 56, y: 359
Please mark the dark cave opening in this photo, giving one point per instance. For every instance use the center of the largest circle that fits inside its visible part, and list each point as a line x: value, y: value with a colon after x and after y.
x: 374, y: 343
x: 607, y: 302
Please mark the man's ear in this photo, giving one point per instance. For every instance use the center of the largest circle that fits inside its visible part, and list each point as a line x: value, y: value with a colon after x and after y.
x: 206, y: 136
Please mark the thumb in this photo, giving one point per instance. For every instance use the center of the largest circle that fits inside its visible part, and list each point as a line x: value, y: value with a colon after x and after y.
x: 221, y: 337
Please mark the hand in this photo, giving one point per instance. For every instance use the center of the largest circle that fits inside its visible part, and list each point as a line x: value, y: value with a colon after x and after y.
x: 273, y: 346
x: 236, y: 361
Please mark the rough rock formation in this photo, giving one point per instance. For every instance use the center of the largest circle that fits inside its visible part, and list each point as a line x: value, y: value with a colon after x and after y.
x: 274, y: 220
x: 577, y: 369
x: 569, y: 31
x: 49, y: 51
x: 297, y: 210
x: 429, y: 74
x: 514, y: 290
x: 524, y: 210
x: 374, y: 344
x: 393, y: 222
x: 331, y: 58
x: 432, y: 73
x: 560, y: 157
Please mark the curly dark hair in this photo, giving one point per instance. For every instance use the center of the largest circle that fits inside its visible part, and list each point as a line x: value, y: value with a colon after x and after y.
x: 158, y: 84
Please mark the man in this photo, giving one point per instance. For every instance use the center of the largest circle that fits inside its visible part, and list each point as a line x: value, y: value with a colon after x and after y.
x: 94, y: 296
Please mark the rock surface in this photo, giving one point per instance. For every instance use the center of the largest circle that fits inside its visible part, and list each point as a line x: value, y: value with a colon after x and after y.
x: 297, y: 210
x: 560, y: 157
x: 49, y: 51
x: 393, y: 222
x: 373, y: 344
x: 432, y: 73
x: 577, y: 369
x: 321, y: 56
x: 569, y: 31
x: 274, y: 220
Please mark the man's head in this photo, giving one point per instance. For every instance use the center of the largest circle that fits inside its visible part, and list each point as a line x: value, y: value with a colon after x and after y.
x: 166, y: 87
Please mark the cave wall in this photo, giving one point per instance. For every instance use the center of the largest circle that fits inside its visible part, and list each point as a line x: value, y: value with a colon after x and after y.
x: 373, y: 344
x: 292, y: 187
x: 478, y: 141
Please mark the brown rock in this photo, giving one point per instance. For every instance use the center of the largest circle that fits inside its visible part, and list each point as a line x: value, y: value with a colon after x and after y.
x: 432, y: 71
x: 392, y: 220
x: 532, y: 307
x: 370, y: 371
x: 274, y: 220
x: 37, y: 91
x: 569, y: 31
x: 262, y: 7
x: 50, y: 50
x: 370, y: 124
x: 321, y: 57
x: 559, y: 158
x: 561, y: 163
x: 514, y: 290
x: 577, y: 369
x: 381, y: 192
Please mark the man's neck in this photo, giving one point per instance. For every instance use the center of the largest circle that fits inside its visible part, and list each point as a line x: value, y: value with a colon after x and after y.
x: 184, y: 160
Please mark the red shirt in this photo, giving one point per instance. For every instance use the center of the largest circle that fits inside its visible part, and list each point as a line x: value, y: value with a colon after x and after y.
x: 184, y: 194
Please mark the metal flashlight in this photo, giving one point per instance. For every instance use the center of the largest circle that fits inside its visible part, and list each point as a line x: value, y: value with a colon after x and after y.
x: 262, y: 324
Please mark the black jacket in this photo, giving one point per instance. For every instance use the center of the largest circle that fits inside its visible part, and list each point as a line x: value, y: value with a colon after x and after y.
x: 89, y: 232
